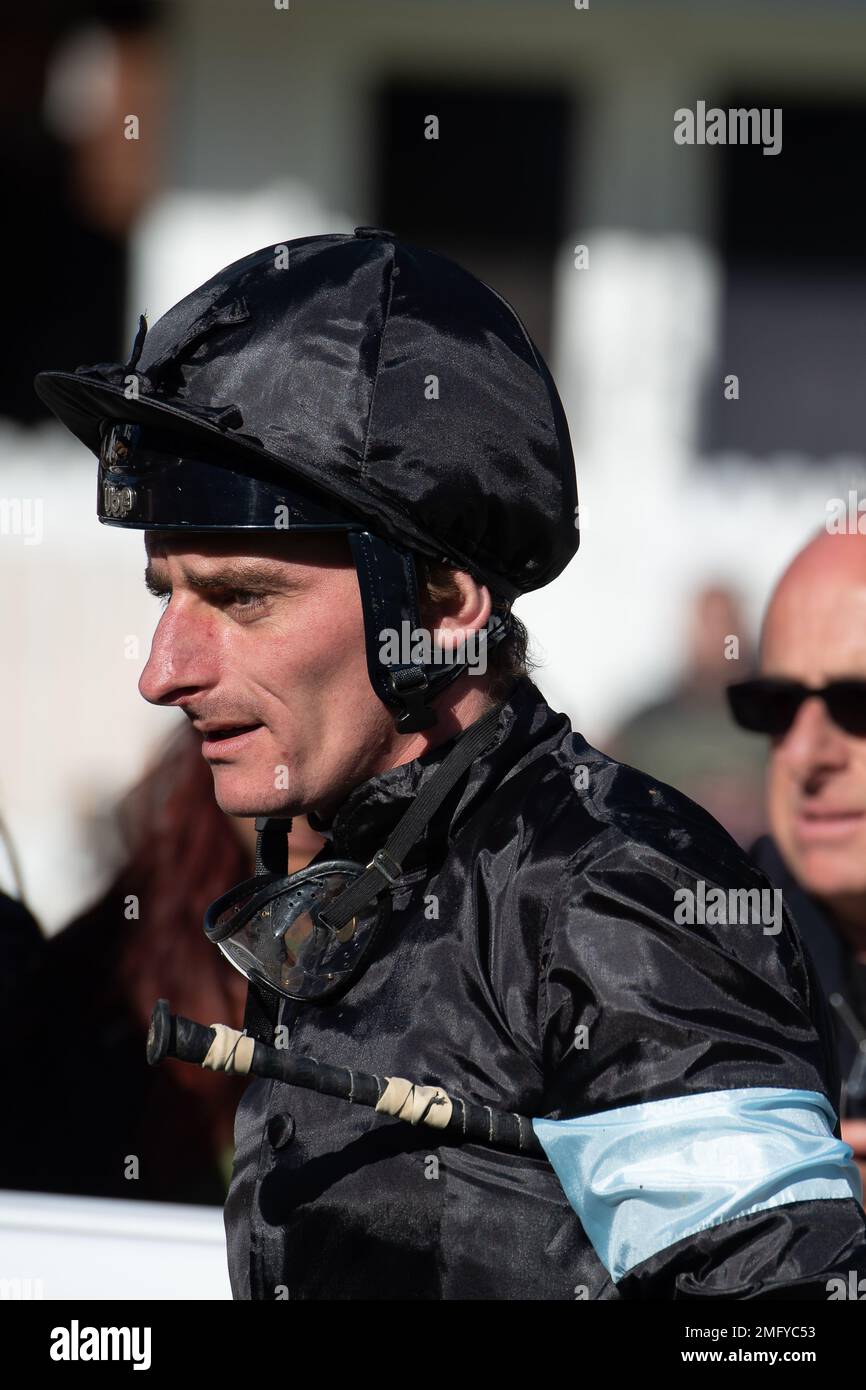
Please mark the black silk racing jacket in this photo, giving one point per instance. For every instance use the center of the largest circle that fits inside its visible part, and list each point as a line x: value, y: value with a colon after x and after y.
x: 540, y: 900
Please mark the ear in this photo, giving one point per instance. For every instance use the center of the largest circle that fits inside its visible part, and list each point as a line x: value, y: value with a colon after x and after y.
x: 466, y: 610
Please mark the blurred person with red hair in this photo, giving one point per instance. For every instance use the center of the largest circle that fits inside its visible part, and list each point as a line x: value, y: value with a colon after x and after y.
x: 91, y: 1117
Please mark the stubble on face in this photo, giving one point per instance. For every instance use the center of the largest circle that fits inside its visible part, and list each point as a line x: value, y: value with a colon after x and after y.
x: 284, y: 655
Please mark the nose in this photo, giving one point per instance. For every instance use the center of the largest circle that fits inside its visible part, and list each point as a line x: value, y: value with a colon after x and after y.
x: 814, y: 744
x: 183, y: 657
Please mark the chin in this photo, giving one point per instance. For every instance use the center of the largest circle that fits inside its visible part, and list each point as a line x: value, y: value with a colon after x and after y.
x: 828, y: 876
x: 238, y: 794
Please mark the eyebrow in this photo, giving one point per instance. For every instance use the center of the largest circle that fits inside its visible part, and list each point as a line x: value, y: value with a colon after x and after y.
x: 241, y: 574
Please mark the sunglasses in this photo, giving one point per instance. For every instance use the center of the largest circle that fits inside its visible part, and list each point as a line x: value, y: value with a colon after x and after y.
x: 768, y: 706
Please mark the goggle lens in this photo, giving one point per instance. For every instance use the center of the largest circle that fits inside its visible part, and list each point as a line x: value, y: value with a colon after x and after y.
x: 269, y: 928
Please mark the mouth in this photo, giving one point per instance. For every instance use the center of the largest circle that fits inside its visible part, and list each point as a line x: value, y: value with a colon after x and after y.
x: 826, y: 827
x: 228, y: 738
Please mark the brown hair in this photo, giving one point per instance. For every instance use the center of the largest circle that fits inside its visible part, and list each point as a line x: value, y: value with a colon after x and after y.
x: 509, y: 659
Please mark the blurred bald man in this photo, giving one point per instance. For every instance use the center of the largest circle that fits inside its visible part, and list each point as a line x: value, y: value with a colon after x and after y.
x: 810, y: 698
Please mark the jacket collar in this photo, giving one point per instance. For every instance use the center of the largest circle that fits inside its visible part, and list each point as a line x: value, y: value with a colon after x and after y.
x: 830, y: 952
x: 371, y: 811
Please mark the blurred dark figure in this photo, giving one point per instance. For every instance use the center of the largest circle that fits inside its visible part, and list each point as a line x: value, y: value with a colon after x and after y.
x: 69, y: 74
x: 21, y: 943
x: 814, y: 634
x: 81, y: 1103
x: 687, y: 739
x: 20, y: 937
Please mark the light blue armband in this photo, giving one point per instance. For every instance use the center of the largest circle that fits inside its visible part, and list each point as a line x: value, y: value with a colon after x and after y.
x: 645, y: 1176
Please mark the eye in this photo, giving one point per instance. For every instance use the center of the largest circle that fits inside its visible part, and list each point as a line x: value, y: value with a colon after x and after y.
x: 245, y: 601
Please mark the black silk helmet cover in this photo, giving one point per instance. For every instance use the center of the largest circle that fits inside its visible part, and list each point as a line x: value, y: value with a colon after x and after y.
x: 373, y: 375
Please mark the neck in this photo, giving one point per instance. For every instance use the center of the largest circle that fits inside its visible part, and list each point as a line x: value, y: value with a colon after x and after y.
x: 849, y: 914
x: 459, y: 705
x: 456, y: 708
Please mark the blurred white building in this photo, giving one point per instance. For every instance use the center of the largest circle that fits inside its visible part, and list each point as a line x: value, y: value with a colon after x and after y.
x: 73, y: 1248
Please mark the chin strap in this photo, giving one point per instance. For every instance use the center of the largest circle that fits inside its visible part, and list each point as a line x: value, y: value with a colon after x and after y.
x: 272, y: 844
x: 272, y: 856
x: 389, y: 598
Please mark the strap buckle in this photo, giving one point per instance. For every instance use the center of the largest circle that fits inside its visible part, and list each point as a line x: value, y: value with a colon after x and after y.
x: 387, y: 865
x: 412, y: 689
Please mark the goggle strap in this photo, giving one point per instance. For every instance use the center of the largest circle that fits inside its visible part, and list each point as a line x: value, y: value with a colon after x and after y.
x: 379, y: 875
x: 261, y: 1012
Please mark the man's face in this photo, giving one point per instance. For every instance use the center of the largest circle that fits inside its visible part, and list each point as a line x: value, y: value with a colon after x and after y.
x: 261, y: 644
x: 816, y: 632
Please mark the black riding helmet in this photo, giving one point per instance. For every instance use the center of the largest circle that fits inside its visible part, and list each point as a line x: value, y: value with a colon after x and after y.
x: 352, y: 383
